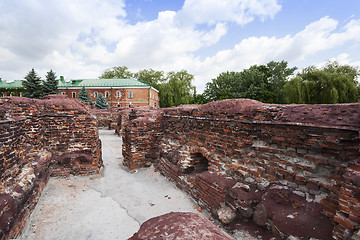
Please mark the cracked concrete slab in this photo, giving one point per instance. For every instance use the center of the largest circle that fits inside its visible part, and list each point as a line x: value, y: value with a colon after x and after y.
x: 111, y: 206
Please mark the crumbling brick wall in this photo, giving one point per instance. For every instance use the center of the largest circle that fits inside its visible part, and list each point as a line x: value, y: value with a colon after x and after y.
x: 107, y: 117
x: 311, y: 149
x: 38, y: 138
x: 140, y: 139
x: 127, y: 114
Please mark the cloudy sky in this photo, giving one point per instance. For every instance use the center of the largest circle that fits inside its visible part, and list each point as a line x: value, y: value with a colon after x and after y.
x: 82, y: 38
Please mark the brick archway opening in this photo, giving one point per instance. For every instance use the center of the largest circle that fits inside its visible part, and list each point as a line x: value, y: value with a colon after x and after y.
x: 199, y: 164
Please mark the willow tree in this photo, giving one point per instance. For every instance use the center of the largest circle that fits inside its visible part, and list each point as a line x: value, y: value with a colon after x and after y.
x: 177, y: 89
x: 333, y: 83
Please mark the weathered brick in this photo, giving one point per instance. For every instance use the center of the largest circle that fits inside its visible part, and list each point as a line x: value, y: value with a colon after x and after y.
x: 36, y: 126
x: 308, y: 151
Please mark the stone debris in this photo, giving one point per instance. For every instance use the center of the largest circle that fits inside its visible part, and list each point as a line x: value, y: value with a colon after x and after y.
x: 226, y: 215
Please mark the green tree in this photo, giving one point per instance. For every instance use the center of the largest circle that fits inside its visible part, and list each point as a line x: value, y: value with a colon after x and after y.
x: 50, y: 85
x: 254, y: 85
x: 225, y: 86
x: 84, y: 96
x: 259, y: 82
x: 177, y: 89
x: 294, y: 91
x: 277, y: 74
x: 199, y: 99
x: 155, y: 78
x: 32, y: 85
x: 117, y: 72
x: 101, y: 102
x: 331, y: 84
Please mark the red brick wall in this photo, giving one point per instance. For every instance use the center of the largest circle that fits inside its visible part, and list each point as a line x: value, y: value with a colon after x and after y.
x: 305, y: 147
x: 55, y: 136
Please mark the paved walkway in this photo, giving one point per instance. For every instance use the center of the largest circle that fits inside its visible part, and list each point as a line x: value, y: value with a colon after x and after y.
x: 111, y: 206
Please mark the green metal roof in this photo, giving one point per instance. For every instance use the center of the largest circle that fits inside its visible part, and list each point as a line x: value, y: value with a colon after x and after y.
x: 128, y: 82
x: 12, y: 85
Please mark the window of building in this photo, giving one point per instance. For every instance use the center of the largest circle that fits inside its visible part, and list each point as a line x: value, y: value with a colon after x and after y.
x: 131, y: 95
x: 118, y: 94
x: 95, y: 94
x: 73, y: 94
x: 106, y: 94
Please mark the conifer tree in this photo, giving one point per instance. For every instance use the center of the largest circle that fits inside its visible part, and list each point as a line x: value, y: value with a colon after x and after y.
x: 84, y: 96
x: 32, y: 85
x: 50, y: 85
x: 101, y: 102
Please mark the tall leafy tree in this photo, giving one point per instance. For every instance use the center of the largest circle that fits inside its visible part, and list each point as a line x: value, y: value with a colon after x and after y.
x: 155, y: 78
x: 277, y: 74
x: 101, y: 102
x: 50, y: 85
x: 177, y: 89
x: 224, y: 86
x: 259, y: 82
x: 331, y: 84
x: 117, y: 72
x: 84, y: 96
x: 32, y: 85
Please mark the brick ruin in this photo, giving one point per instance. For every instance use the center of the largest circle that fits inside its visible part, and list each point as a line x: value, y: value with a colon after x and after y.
x: 116, y: 117
x: 293, y: 169
x: 41, y: 138
x: 107, y: 117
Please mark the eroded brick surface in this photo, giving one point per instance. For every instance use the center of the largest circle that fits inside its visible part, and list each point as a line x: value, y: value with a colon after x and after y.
x: 312, y: 150
x: 178, y: 225
x: 39, y: 138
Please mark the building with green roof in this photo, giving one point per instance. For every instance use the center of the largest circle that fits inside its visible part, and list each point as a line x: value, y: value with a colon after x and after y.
x: 118, y: 92
x: 13, y: 88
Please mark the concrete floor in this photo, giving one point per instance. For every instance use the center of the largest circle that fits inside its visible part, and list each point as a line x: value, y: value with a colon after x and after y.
x: 111, y: 206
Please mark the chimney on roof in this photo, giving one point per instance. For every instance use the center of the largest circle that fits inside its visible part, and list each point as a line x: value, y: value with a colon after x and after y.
x: 62, y: 79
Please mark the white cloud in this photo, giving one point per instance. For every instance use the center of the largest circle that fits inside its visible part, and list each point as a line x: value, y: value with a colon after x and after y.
x: 342, y: 59
x: 80, y: 39
x: 239, y: 11
x: 315, y: 38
